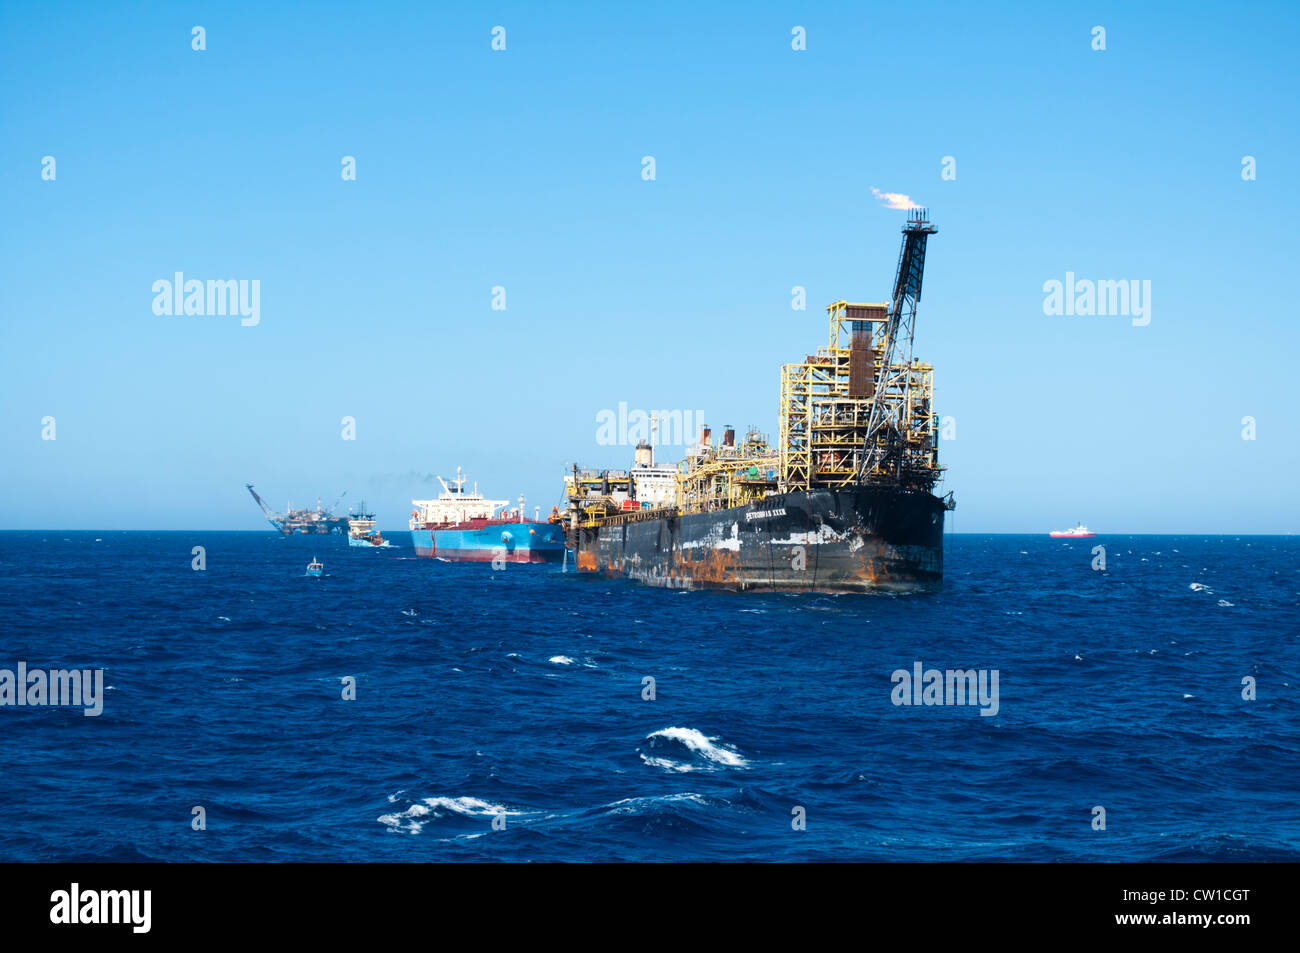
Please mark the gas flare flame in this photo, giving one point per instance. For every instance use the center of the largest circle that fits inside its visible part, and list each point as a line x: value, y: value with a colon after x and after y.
x: 895, y: 199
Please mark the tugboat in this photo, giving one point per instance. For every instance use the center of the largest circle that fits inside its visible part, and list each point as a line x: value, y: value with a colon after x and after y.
x: 362, y: 532
x: 1079, y: 532
x: 315, y: 568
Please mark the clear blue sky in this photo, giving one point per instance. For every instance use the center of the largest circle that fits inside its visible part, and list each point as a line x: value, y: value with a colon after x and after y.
x: 523, y: 169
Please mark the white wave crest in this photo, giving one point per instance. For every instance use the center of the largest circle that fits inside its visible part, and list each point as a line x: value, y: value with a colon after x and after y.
x: 406, y: 820
x: 668, y: 764
x: 468, y: 806
x: 413, y: 819
x: 637, y: 805
x: 711, y: 749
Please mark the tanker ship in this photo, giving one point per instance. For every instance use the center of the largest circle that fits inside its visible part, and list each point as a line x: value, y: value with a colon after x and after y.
x: 461, y: 526
x: 844, y: 502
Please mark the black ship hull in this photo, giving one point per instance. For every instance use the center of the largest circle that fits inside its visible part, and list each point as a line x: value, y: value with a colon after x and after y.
x: 851, y: 540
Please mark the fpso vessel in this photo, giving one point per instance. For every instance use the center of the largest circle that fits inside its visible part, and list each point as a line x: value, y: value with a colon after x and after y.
x: 844, y: 502
x: 300, y: 520
x: 461, y: 526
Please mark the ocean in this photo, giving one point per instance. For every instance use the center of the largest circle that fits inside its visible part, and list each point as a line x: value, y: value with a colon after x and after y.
x: 506, y: 714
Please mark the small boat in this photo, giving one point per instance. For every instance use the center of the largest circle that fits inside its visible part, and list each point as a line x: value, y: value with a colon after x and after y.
x: 1079, y: 532
x: 315, y: 568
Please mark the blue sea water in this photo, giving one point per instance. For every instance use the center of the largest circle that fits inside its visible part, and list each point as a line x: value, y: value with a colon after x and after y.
x: 519, y: 693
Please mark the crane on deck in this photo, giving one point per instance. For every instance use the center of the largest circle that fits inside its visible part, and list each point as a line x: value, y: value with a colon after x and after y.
x: 260, y: 502
x: 885, y: 442
x: 303, y: 520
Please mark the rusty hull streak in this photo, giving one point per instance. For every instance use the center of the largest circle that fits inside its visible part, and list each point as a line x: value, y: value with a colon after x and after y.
x: 718, y: 567
x: 872, y: 569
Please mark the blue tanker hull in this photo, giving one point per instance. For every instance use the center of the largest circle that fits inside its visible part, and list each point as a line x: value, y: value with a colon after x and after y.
x: 529, y: 542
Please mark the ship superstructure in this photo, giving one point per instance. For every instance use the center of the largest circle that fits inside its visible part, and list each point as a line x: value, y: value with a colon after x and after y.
x: 362, y: 531
x: 1079, y: 532
x: 454, y: 505
x: 844, y: 501
x: 460, y: 525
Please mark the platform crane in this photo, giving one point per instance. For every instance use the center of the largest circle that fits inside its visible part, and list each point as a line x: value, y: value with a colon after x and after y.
x: 887, y: 423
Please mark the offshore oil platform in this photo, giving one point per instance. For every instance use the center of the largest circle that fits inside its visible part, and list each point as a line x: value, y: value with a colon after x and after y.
x: 845, y: 501
x: 293, y: 520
